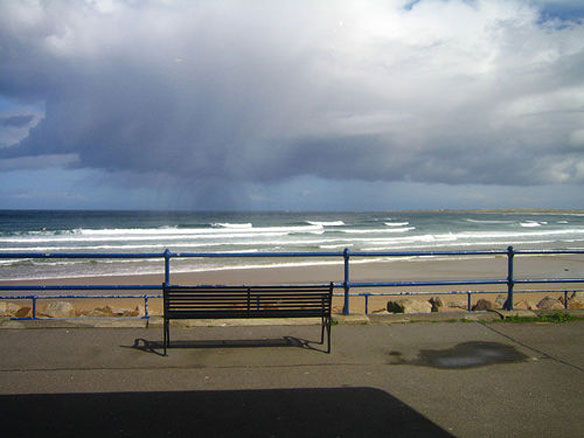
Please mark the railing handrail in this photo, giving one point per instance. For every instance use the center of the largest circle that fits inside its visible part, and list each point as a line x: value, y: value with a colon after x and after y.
x: 346, y: 255
x: 270, y: 254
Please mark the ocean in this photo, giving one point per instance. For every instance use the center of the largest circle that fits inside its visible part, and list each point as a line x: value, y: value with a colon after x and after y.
x: 256, y: 232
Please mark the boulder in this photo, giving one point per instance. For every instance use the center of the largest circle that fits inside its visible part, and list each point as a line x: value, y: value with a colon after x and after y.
x: 549, y: 303
x: 483, y: 304
x: 377, y: 311
x: 337, y: 309
x: 522, y: 305
x: 112, y: 311
x: 457, y: 303
x: 500, y: 301
x: 408, y: 305
x: 139, y: 310
x: 577, y: 296
x: 8, y: 309
x: 23, y: 312
x: 3, y: 309
x: 436, y: 303
x: 103, y: 311
x: 575, y: 303
x: 59, y: 309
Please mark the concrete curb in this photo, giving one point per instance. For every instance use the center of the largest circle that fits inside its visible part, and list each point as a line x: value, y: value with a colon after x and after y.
x: 356, y: 319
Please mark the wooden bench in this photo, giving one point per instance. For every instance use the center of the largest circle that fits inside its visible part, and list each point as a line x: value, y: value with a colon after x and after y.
x: 242, y: 302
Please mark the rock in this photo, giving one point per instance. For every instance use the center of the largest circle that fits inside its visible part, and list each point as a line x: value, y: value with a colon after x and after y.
x: 482, y: 304
x: 522, y: 305
x: 459, y: 303
x: 577, y: 296
x: 549, y: 303
x: 8, y: 309
x: 103, y: 311
x: 500, y: 301
x: 436, y: 303
x: 408, y: 305
x: 111, y: 311
x: 4, y: 309
x: 59, y: 309
x: 575, y: 302
x: 23, y: 312
x: 140, y: 311
x: 379, y: 311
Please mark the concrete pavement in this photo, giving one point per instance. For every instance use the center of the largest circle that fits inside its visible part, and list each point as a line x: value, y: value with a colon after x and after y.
x: 467, y: 379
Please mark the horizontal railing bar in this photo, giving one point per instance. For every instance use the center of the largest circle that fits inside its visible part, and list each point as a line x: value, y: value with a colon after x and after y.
x: 548, y: 251
x: 80, y: 255
x: 81, y: 287
x: 548, y: 280
x: 54, y: 297
x: 425, y: 283
x: 423, y: 253
x: 282, y: 254
x: 374, y: 294
x: 257, y: 254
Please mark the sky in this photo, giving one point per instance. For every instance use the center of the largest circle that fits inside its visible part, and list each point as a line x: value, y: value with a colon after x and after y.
x: 291, y: 105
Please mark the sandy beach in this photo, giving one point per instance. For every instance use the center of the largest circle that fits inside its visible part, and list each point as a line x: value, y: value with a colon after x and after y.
x: 422, y: 269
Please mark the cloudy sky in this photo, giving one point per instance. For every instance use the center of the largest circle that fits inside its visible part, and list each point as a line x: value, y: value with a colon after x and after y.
x: 291, y: 105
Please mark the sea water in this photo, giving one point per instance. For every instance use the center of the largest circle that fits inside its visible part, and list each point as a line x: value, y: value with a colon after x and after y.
x: 24, y: 232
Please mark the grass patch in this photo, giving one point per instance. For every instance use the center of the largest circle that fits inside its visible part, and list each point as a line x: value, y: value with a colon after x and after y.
x: 556, y: 318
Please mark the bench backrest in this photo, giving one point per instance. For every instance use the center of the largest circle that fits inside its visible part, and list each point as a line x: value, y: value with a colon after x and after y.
x: 210, y: 302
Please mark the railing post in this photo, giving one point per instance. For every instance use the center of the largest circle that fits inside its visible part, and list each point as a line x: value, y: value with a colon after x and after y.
x: 346, y: 284
x: 509, y: 303
x: 366, y: 295
x: 146, y: 316
x: 34, y: 298
x: 468, y: 301
x: 167, y: 266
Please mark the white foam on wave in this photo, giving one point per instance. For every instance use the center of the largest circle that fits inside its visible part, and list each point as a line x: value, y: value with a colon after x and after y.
x: 480, y: 221
x: 396, y: 224
x: 378, y: 231
x: 327, y: 224
x: 530, y: 224
x: 238, y: 226
x: 164, y: 234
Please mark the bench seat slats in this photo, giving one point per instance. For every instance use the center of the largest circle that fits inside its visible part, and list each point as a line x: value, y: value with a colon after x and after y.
x: 252, y: 296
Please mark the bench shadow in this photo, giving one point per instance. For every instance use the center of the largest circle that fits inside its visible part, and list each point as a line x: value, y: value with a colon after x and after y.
x: 314, y: 412
x: 156, y: 347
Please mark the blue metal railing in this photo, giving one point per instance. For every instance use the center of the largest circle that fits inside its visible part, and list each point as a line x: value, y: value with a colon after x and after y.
x: 509, y: 281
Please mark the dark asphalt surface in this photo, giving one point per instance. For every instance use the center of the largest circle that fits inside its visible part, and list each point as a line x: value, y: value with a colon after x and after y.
x: 425, y: 379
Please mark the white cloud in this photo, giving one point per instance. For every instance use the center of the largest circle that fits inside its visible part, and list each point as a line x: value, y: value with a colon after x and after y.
x: 456, y: 92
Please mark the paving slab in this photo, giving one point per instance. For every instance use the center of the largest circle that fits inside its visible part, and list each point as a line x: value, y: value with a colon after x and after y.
x: 468, y: 379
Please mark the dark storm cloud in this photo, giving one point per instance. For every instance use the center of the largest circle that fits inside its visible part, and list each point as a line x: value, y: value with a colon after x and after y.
x: 453, y: 92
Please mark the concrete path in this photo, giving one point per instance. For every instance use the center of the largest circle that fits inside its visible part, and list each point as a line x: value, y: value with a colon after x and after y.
x: 471, y: 379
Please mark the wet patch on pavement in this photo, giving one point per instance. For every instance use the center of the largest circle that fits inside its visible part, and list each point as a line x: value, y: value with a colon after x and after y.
x: 463, y: 356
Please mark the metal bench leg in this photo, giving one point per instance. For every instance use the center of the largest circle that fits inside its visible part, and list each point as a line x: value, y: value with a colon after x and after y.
x: 328, y: 331
x: 322, y: 327
x: 166, y: 335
